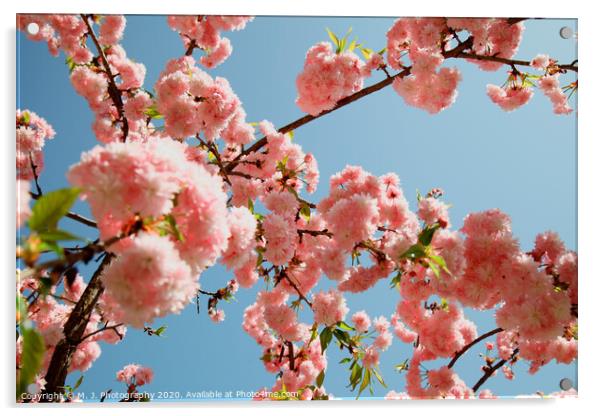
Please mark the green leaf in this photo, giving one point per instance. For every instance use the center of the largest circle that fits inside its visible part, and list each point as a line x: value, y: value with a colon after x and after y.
x: 355, y: 376
x: 395, y: 280
x: 345, y: 326
x: 305, y: 211
x: 379, y: 377
x: 440, y: 261
x: 414, y: 252
x: 58, y: 235
x: 325, y: 338
x: 320, y: 379
x: 345, y: 360
x: 333, y: 38
x: 52, y: 246
x: 426, y: 236
x: 160, y: 330
x: 50, y: 208
x: 365, y: 382
x: 366, y: 52
x: 152, y: 112
x: 434, y: 267
x: 78, y: 382
x: 70, y: 64
x: 31, y: 357
x: 25, y: 117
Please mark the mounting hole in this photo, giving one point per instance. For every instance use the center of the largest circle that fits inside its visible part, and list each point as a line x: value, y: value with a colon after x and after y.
x: 33, y: 28
x: 566, y: 32
x: 566, y: 384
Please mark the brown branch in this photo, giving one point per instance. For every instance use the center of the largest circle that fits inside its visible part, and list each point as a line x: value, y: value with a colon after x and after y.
x: 191, y: 47
x: 291, y: 355
x: 113, y: 90
x: 308, y: 118
x: 511, y: 62
x: 104, y: 328
x: 301, y: 295
x: 471, y: 344
x: 456, y: 52
x: 34, y: 170
x: 491, y: 370
x: 315, y: 233
x: 74, y: 330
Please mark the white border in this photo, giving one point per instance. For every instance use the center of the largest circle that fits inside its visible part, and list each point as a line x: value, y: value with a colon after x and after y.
x: 589, y: 212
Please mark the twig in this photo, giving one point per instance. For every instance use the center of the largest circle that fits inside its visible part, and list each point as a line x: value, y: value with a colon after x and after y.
x: 471, y: 344
x: 34, y: 168
x: 113, y: 90
x: 106, y: 327
x: 489, y: 371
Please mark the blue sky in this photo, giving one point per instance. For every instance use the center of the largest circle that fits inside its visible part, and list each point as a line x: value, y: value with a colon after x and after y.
x: 523, y: 162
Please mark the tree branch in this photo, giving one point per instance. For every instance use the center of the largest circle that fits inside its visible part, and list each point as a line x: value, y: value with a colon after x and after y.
x: 491, y: 370
x: 113, y: 90
x: 73, y: 330
x: 471, y: 344
x: 456, y: 52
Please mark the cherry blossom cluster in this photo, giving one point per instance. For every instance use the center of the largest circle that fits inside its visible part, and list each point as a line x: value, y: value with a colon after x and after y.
x: 192, y: 103
x: 203, y: 32
x: 421, y: 40
x: 327, y: 77
x: 182, y: 205
x: 135, y: 374
x: 32, y: 133
x: 108, y: 80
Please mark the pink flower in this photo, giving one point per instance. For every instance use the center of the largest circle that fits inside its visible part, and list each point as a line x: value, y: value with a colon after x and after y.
x: 361, y: 321
x: 281, y: 236
x: 371, y: 357
x: 218, y: 315
x: 541, y: 62
x: 550, y: 86
x: 32, y: 133
x: 147, y: 280
x: 432, y: 210
x: 283, y: 203
x: 111, y: 29
x: 327, y: 77
x: 217, y: 55
x: 509, y: 99
x: 352, y: 220
x: 241, y: 243
x: 135, y: 374
x: 329, y: 307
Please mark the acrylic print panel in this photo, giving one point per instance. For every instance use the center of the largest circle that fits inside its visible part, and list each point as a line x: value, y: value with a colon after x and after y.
x: 228, y: 208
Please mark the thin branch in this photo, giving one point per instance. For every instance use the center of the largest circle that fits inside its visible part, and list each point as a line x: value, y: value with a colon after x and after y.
x: 113, y: 90
x: 491, y: 370
x: 105, y: 328
x: 191, y: 47
x: 34, y: 168
x: 457, y: 52
x: 471, y: 344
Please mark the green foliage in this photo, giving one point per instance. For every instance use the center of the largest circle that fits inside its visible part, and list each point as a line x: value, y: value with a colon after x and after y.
x: 31, y: 356
x: 325, y: 338
x: 50, y: 208
x: 152, y: 112
x: 341, y: 44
